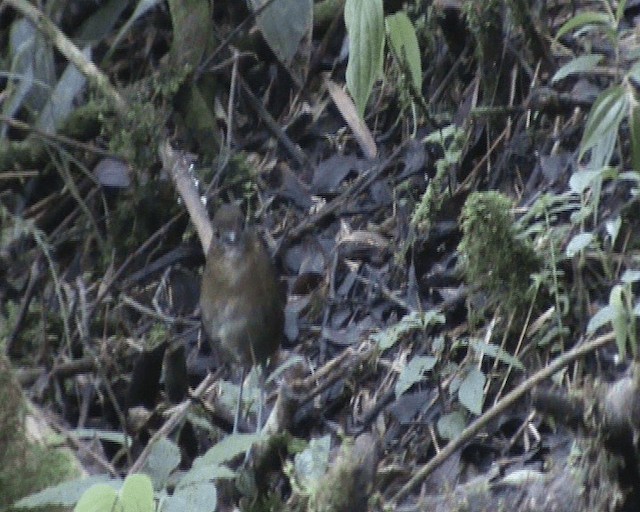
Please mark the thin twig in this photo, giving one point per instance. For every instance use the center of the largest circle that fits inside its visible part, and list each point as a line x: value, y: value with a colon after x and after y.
x: 178, y: 413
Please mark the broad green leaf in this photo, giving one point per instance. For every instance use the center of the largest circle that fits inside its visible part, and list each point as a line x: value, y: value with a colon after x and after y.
x: 578, y: 65
x: 404, y: 43
x: 582, y: 19
x: 471, y: 392
x: 65, y: 494
x: 578, y: 243
x: 227, y: 449
x: 136, y: 494
x: 201, y: 497
x: 163, y: 459
x: 605, y: 117
x: 451, y: 425
x: 32, y: 69
x: 99, y: 498
x: 414, y: 372
x: 364, y: 20
x: 602, y: 317
x: 583, y: 179
x: 61, y: 102
x: 634, y: 129
x: 192, y: 28
x: 284, y: 24
x: 601, y: 154
x: 100, y: 24
x: 204, y: 474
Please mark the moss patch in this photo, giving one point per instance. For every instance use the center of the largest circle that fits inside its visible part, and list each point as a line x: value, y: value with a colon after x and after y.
x: 495, y: 258
x: 25, y: 467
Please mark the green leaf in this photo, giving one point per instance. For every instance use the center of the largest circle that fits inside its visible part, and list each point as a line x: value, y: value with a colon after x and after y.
x: 619, y: 319
x: 99, y: 498
x: 583, y: 179
x: 404, y: 43
x: 136, y: 494
x: 622, y: 4
x: 578, y: 65
x: 451, y: 425
x: 100, y: 24
x: 204, y: 473
x: 414, y: 372
x: 601, y: 153
x: 605, y: 117
x: 602, y: 317
x: 192, y: 28
x: 201, y: 497
x: 62, y: 101
x: 227, y: 449
x: 471, y: 392
x: 65, y: 494
x: 163, y: 459
x: 578, y: 243
x: 141, y: 8
x: 582, y: 19
x: 496, y: 352
x: 311, y: 464
x: 412, y: 322
x: 284, y: 24
x: 634, y: 128
x: 365, y: 25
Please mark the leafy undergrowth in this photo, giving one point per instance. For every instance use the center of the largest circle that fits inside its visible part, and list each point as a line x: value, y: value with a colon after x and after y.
x: 456, y: 230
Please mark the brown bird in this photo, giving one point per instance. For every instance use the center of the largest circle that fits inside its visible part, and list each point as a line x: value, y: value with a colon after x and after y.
x: 241, y: 302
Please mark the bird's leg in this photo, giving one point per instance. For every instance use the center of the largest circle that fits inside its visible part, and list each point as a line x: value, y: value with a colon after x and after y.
x: 236, y: 419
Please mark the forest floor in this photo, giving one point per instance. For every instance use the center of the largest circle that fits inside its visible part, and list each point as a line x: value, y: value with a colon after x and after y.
x: 460, y: 265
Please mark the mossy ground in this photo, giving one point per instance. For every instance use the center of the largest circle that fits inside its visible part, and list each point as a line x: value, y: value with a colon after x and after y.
x: 25, y: 466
